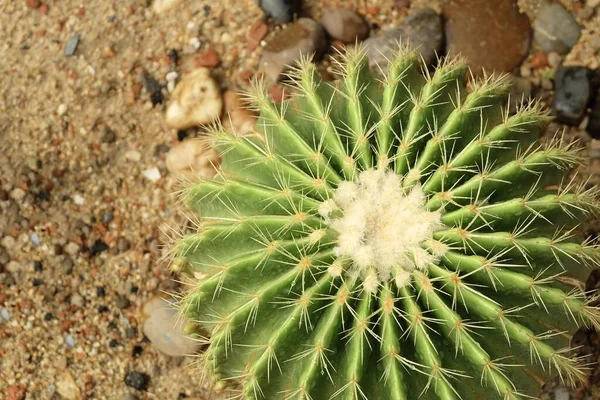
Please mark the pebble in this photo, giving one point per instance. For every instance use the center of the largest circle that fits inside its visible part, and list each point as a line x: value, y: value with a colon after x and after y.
x: 561, y: 393
x: 345, y: 25
x: 153, y: 88
x: 109, y: 136
x: 195, y: 43
x: 554, y: 59
x: 238, y: 118
x: 133, y: 155
x: 66, y: 386
x: 122, y: 303
x: 13, y: 266
x: 33, y: 3
x: 79, y: 199
x: 72, y: 248
x: 160, y: 6
x: 17, y: 194
x: 421, y: 30
x: 61, y: 110
x: 555, y: 29
x: 72, y: 44
x: 195, y: 101
x: 300, y: 39
x: 281, y: 11
x: 128, y: 396
x: 5, y: 314
x: 123, y: 245
x: 193, y: 156
x: 208, y: 58
x: 492, y: 35
x: 574, y: 89
x: 69, y: 341
x: 165, y: 328
x: 137, y: 380
x: 35, y: 239
x: 152, y: 174
x: 258, y: 30
x: 593, y: 127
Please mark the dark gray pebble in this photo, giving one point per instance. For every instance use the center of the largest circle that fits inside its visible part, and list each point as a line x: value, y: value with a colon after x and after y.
x: 574, y: 89
x: 137, y: 380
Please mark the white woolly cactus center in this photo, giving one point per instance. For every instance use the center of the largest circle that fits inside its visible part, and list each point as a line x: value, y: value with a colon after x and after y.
x: 382, y: 228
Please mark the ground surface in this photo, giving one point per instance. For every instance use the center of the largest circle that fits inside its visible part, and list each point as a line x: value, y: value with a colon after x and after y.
x: 76, y: 133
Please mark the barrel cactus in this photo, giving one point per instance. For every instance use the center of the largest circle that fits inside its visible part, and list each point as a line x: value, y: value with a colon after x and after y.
x: 392, y: 235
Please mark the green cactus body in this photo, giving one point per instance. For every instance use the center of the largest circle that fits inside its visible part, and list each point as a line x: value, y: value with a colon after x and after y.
x: 389, y: 238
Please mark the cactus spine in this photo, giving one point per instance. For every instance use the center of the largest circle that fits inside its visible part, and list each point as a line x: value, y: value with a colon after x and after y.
x: 389, y: 238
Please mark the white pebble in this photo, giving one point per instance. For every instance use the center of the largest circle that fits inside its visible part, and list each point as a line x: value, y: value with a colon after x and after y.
x: 195, y: 42
x: 152, y: 174
x: 69, y: 341
x: 78, y: 199
x: 171, y: 76
x: 35, y: 239
x: 62, y: 109
x: 91, y: 70
x: 17, y: 194
x: 5, y: 314
x: 192, y: 27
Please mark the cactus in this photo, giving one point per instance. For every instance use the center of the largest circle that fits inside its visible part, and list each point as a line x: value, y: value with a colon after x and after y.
x: 394, y: 236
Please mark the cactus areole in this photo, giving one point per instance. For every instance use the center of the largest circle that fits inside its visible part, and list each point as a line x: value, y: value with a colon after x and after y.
x: 389, y: 236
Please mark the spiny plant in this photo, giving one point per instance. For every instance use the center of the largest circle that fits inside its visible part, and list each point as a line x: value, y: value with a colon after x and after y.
x: 394, y: 237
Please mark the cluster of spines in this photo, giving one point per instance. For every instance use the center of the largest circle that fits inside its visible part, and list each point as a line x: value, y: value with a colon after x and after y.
x: 260, y: 219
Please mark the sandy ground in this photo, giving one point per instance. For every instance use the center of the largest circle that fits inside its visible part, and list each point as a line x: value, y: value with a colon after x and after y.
x: 78, y: 219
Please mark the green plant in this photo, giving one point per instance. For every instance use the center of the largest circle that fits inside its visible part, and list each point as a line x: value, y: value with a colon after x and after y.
x: 389, y: 238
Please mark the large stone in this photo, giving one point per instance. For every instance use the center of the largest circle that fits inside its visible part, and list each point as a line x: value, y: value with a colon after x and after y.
x: 196, y: 100
x: 302, y: 38
x: 421, y: 30
x: 555, y: 29
x: 345, y: 25
x: 492, y: 35
x: 575, y: 87
x: 165, y: 328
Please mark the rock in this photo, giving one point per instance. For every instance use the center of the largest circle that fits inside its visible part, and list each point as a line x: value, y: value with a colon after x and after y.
x: 165, y: 329
x: 133, y: 155
x: 109, y: 136
x: 238, y: 118
x: 17, y: 194
x: 575, y: 87
x: 33, y: 4
x: 152, y: 174
x: 137, y: 380
x: 72, y: 44
x: 66, y: 386
x: 300, y: 39
x: 72, y: 248
x: 208, y: 58
x: 492, y: 35
x: 257, y: 32
x: 282, y: 11
x: 421, y: 30
x: 192, y: 157
x: 160, y: 6
x: 153, y: 88
x: 555, y: 29
x: 123, y: 244
x: 593, y: 126
x: 561, y: 393
x: 4, y: 314
x: 69, y: 341
x: 344, y: 25
x: 61, y: 110
x: 195, y: 101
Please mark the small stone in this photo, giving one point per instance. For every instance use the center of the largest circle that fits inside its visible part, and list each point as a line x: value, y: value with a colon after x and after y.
x: 13, y: 266
x: 344, y: 25
x: 66, y: 386
x: 492, y: 35
x: 593, y: 126
x: 555, y: 29
x: 585, y: 13
x: 195, y: 43
x: 238, y: 118
x: 35, y: 239
x: 98, y: 247
x: 79, y: 200
x: 258, y: 30
x: 561, y: 393
x: 72, y: 44
x: 282, y: 11
x: 123, y: 245
x: 77, y: 300
x: 152, y: 174
x: 109, y: 136
x: 160, y: 6
x: 69, y: 341
x: 33, y: 3
x: 193, y: 156
x: 17, y: 194
x: 128, y: 396
x: 154, y: 89
x: 61, y: 110
x: 575, y: 87
x: 302, y: 38
x: 133, y: 155
x: 165, y: 329
x: 72, y: 248
x: 208, y: 58
x: 195, y: 101
x: 421, y: 30
x: 137, y: 380
x: 5, y: 314
x: 122, y: 303
x: 554, y: 59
